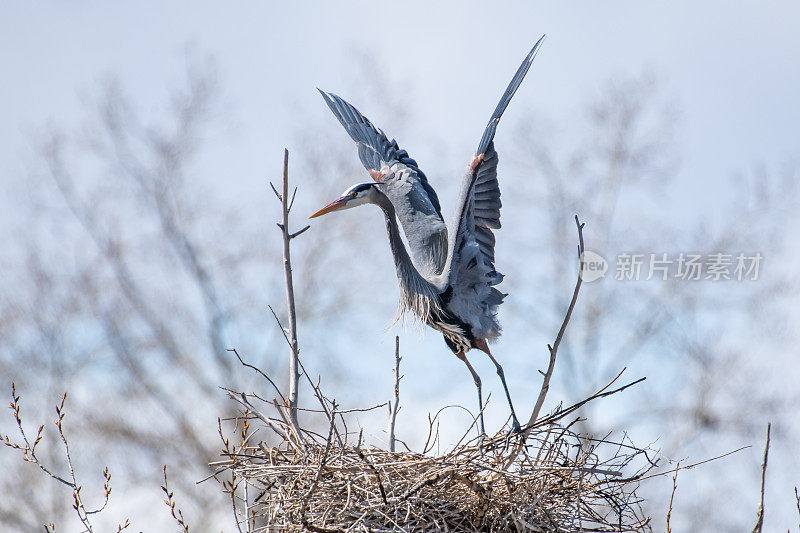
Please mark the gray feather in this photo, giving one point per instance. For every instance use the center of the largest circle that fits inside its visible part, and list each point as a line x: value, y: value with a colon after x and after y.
x: 449, y: 279
x: 374, y: 148
x: 474, y: 297
x: 516, y: 81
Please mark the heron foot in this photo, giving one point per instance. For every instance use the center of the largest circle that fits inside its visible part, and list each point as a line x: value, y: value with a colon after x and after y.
x: 481, y: 440
x: 515, y: 427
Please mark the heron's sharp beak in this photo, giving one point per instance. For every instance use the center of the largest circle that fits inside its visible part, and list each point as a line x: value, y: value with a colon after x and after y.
x: 333, y: 206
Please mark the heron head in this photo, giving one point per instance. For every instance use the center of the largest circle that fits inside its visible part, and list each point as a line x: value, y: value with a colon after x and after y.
x: 356, y: 195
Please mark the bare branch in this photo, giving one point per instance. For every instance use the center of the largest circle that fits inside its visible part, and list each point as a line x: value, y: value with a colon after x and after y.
x: 394, y: 405
x: 321, y: 398
x: 297, y: 233
x: 291, y: 202
x: 277, y: 194
x: 264, y: 375
x: 29, y: 455
x: 672, y: 496
x: 294, y: 370
x: 177, y: 514
x: 760, y: 520
x: 553, y: 349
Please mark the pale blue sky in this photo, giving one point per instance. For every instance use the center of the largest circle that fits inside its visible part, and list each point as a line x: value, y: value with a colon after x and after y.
x: 733, y: 66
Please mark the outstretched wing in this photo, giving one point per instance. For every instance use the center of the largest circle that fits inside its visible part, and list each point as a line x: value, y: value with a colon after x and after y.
x: 472, y: 274
x: 414, y: 200
x: 375, y: 149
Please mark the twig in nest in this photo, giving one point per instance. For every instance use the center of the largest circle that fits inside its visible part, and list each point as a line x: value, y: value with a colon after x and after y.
x: 314, y: 386
x: 313, y: 487
x: 572, y: 408
x: 296, y: 439
x: 374, y: 471
x: 639, y: 478
x: 265, y: 376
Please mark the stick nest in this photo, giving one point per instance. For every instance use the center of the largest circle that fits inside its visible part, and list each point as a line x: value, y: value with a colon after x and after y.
x: 546, y: 479
x: 555, y: 480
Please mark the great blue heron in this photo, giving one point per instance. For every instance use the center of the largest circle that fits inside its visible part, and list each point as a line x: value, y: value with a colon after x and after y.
x: 448, y: 281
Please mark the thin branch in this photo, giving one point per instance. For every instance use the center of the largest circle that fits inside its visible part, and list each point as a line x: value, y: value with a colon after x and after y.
x: 394, y: 405
x: 315, y: 387
x: 313, y: 487
x: 565, y: 412
x: 298, y: 233
x: 241, y: 398
x: 29, y: 455
x: 277, y: 194
x: 294, y: 370
x: 253, y: 367
x: 760, y: 520
x: 553, y: 349
x: 176, y: 513
x: 28, y: 451
x: 672, y: 496
x: 639, y: 478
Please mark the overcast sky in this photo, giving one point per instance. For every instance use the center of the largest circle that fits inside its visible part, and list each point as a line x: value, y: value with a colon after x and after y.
x: 731, y: 65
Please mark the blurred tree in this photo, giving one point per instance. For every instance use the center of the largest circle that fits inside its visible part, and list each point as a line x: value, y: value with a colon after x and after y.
x: 127, y: 281
x: 128, y: 278
x: 124, y: 294
x: 695, y: 340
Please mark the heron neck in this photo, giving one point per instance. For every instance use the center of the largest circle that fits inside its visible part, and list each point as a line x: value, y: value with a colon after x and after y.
x: 426, y: 232
x: 417, y: 293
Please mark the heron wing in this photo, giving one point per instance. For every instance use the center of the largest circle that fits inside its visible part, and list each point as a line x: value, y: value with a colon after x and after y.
x: 414, y: 200
x: 472, y: 275
x: 375, y: 149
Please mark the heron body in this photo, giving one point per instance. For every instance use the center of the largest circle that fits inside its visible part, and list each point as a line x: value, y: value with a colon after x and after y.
x: 448, y: 279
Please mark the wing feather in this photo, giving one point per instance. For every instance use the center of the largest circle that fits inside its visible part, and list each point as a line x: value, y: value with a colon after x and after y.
x: 516, y: 81
x: 472, y: 274
x: 375, y: 150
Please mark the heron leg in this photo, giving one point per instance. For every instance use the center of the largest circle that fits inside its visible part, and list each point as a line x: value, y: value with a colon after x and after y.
x: 477, y: 378
x: 484, y: 347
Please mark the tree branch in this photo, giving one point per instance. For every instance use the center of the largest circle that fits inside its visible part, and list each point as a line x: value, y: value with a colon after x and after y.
x: 553, y: 349
x: 29, y: 455
x: 394, y: 405
x: 294, y: 367
x: 760, y: 520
